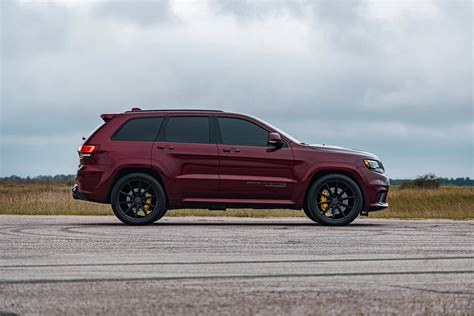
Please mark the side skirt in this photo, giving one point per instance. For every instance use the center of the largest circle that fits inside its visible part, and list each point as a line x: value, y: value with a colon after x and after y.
x: 222, y: 204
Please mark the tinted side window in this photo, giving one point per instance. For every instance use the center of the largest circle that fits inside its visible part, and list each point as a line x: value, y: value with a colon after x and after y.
x: 236, y: 131
x: 139, y: 129
x: 187, y: 129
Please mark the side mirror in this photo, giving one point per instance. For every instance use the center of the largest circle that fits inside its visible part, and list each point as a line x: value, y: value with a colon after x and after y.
x: 274, y: 139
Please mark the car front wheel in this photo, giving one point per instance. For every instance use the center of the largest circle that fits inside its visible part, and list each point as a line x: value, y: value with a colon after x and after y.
x: 334, y: 200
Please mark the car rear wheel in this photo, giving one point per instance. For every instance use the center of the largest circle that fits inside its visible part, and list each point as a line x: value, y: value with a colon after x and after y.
x: 138, y: 199
x: 334, y: 200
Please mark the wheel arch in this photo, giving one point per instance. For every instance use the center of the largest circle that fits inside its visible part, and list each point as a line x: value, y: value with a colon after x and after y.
x: 128, y: 170
x: 345, y: 172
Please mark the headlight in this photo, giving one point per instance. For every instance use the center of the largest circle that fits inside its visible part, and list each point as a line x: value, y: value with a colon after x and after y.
x: 374, y: 165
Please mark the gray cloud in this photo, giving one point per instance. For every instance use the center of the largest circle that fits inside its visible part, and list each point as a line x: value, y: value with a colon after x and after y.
x: 143, y: 13
x: 248, y: 10
x: 393, y: 80
x: 36, y: 29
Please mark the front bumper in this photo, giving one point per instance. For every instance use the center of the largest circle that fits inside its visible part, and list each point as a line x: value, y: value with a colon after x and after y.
x: 375, y: 190
x: 380, y: 200
x: 377, y: 206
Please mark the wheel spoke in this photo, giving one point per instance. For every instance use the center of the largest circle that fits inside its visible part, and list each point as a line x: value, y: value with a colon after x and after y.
x: 147, y: 197
x: 340, y: 210
x: 344, y: 191
x: 129, y: 208
x: 322, y: 202
x: 328, y: 189
x: 325, y: 195
x: 347, y: 197
x: 326, y: 213
x: 335, y: 190
x: 345, y: 188
x: 347, y: 206
x: 146, y: 190
x: 126, y: 193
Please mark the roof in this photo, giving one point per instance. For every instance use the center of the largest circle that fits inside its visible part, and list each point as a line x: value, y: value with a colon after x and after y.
x: 138, y: 110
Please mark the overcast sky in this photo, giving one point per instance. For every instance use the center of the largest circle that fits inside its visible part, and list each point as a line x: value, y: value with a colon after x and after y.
x: 393, y: 78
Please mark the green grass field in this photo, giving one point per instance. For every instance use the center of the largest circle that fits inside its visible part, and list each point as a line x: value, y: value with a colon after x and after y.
x: 448, y: 202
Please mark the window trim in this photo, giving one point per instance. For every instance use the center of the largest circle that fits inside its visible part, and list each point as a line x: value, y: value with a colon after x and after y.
x: 219, y: 131
x: 162, y: 133
x: 137, y: 118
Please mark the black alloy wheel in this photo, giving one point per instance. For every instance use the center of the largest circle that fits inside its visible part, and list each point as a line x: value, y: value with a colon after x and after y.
x: 138, y: 199
x: 334, y: 200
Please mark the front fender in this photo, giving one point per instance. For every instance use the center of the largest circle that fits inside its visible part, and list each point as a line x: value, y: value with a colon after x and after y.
x: 320, y: 169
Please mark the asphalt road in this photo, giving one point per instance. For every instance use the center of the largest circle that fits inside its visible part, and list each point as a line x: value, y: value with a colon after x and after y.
x: 96, y: 265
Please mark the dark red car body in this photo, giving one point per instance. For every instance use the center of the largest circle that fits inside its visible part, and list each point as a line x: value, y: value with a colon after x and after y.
x: 218, y: 176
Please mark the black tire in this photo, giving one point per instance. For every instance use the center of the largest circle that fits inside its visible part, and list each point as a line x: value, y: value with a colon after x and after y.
x: 138, y: 199
x: 308, y: 214
x: 334, y: 200
x: 162, y: 215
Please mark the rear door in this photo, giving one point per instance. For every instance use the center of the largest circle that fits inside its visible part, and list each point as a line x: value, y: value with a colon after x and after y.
x: 186, y: 152
x: 249, y: 167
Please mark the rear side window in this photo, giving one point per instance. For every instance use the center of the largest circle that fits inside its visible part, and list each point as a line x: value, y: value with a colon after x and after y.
x: 235, y: 131
x: 187, y: 129
x: 139, y: 129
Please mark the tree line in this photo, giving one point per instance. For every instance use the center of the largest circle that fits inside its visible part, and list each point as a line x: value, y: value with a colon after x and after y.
x: 425, y: 181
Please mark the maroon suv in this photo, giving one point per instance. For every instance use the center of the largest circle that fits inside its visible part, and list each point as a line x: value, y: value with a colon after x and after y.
x: 147, y: 162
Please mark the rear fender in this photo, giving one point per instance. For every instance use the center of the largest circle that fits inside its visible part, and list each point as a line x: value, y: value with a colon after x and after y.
x: 123, y: 167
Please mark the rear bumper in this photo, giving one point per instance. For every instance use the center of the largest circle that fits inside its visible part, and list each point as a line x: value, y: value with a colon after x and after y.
x: 76, y: 195
x: 92, y: 183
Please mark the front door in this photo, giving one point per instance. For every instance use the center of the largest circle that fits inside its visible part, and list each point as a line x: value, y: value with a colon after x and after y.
x: 248, y: 167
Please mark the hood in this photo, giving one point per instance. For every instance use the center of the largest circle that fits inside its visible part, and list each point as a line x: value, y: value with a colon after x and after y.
x: 343, y: 150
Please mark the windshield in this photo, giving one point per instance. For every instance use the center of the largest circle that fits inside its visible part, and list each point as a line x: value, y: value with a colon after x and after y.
x: 283, y: 133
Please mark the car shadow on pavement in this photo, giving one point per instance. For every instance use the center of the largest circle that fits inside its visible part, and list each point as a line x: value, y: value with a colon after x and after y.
x: 236, y: 223
x: 258, y: 224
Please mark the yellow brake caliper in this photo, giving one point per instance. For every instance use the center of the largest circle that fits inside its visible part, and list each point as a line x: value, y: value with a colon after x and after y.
x: 323, y: 198
x: 146, y: 207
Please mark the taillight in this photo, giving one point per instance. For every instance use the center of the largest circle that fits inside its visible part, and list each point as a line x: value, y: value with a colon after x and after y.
x: 87, y: 150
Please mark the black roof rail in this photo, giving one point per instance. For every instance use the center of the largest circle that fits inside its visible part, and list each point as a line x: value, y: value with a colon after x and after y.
x: 172, y: 110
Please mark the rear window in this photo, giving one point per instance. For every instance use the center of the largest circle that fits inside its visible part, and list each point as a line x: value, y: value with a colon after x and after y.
x: 187, y: 129
x: 139, y: 129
